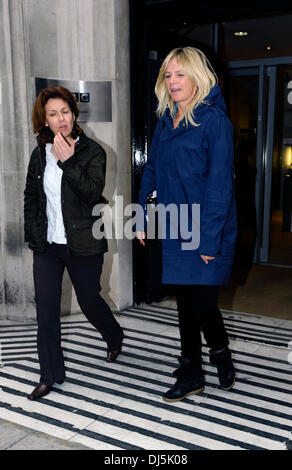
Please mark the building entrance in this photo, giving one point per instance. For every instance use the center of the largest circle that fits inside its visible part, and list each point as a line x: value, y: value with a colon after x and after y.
x: 260, y: 104
x: 254, y: 65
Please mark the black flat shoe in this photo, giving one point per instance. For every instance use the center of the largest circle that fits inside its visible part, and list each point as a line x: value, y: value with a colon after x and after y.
x: 40, y: 391
x: 113, y: 354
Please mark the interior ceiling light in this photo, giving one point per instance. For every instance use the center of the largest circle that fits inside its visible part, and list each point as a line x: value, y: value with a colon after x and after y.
x: 240, y: 33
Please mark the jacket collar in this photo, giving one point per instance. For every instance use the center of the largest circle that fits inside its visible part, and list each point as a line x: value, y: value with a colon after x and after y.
x: 82, y: 142
x: 169, y: 122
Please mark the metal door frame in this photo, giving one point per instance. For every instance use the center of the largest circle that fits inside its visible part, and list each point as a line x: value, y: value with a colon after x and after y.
x: 267, y: 72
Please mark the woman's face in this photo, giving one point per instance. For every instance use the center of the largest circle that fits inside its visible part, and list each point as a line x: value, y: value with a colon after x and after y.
x: 181, y: 88
x: 59, y: 116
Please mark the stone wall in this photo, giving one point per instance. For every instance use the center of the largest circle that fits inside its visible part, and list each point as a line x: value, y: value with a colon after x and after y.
x: 64, y: 39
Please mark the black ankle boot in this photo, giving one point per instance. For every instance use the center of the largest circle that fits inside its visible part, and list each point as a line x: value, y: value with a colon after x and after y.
x: 190, y: 381
x: 226, y: 372
x: 183, y: 362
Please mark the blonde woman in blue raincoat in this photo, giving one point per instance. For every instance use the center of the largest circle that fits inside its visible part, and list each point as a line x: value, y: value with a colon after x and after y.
x: 191, y: 162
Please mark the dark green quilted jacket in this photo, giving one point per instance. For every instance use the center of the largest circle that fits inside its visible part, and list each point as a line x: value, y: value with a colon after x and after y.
x: 81, y: 189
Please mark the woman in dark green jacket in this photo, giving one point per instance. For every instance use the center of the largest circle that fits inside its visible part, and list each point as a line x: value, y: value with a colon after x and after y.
x: 65, y: 180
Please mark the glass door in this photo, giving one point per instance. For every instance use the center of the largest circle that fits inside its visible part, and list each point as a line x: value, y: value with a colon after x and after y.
x: 280, y: 228
x: 260, y: 105
x: 243, y: 88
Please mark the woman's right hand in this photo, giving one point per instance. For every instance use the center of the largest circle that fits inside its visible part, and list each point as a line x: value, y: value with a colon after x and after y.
x: 141, y: 237
x: 207, y: 258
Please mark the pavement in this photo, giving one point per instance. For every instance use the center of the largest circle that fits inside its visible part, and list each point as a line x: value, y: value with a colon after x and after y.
x: 16, y: 437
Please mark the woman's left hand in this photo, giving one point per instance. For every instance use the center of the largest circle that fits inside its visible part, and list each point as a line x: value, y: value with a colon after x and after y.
x: 207, y: 258
x: 61, y: 150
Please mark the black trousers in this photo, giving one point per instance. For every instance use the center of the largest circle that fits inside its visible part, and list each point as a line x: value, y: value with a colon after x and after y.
x: 197, y: 309
x: 84, y: 272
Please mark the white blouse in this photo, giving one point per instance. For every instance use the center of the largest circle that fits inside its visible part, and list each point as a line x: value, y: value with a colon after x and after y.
x: 52, y: 186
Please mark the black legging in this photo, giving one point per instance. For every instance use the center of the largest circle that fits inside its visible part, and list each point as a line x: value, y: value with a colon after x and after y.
x: 197, y: 308
x: 84, y: 272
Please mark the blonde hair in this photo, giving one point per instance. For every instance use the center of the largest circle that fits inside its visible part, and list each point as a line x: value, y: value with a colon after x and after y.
x: 196, y: 66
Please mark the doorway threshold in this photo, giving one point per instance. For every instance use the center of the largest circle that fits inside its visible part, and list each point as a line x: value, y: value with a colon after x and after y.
x: 265, y: 290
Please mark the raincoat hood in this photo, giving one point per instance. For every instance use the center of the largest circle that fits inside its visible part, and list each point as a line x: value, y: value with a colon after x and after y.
x: 214, y: 98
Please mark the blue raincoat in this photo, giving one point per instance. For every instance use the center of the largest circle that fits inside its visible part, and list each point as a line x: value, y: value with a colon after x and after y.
x: 194, y: 165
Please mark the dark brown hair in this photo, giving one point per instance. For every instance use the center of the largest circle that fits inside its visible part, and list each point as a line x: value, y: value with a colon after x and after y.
x: 39, y: 114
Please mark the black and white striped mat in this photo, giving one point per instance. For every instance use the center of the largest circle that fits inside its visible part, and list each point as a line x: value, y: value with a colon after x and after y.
x: 119, y: 406
x: 246, y: 327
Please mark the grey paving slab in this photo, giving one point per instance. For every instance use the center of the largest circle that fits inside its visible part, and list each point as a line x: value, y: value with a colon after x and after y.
x: 15, y: 437
x: 11, y: 434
